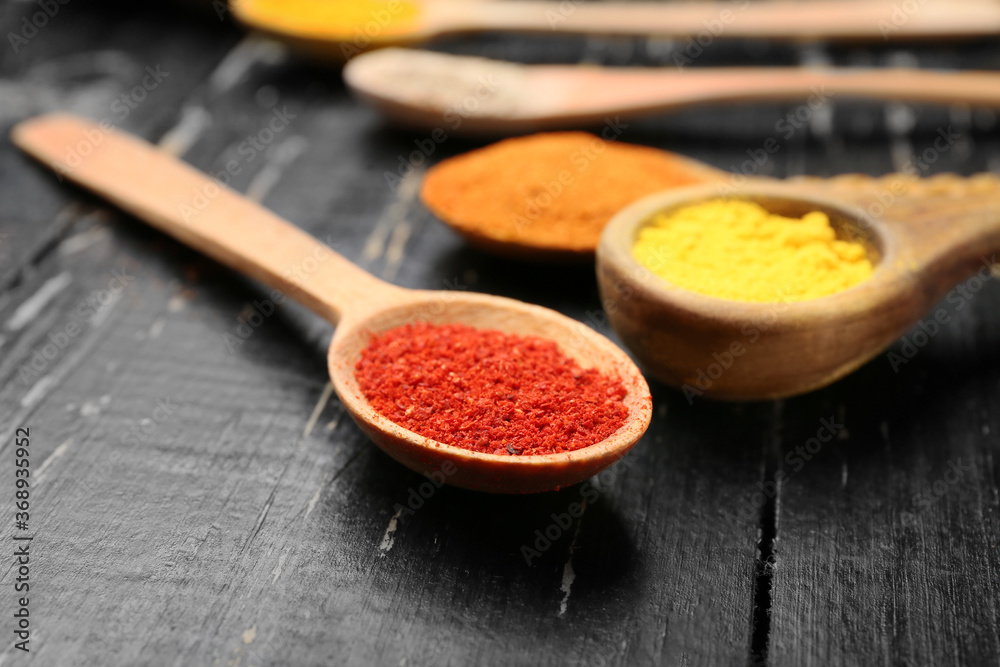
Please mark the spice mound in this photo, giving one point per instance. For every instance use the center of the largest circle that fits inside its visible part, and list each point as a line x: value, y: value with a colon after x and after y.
x: 737, y: 250
x: 338, y: 19
x: 552, y: 191
x: 488, y: 391
x: 440, y: 81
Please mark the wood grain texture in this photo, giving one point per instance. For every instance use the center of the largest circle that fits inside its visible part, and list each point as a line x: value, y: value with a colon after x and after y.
x: 235, y: 534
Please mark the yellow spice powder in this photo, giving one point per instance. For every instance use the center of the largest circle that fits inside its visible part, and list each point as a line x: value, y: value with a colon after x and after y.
x: 354, y: 19
x: 737, y: 250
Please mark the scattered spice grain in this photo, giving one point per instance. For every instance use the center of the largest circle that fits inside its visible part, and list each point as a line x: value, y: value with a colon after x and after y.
x: 488, y: 391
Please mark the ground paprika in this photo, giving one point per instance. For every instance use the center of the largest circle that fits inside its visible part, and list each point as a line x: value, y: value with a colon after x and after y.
x: 488, y: 391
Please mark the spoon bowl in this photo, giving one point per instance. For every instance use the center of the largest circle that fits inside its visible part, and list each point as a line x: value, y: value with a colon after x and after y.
x: 234, y: 230
x: 736, y: 350
x: 489, y: 472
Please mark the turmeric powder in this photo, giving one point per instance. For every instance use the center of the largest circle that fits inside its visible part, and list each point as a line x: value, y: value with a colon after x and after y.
x: 352, y: 20
x: 737, y: 250
x: 548, y: 192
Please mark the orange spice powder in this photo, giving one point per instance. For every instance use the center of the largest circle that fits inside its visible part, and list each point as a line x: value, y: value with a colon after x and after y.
x: 550, y: 191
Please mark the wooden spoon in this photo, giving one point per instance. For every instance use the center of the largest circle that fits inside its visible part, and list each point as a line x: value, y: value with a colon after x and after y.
x: 339, y: 32
x: 470, y: 95
x: 205, y: 215
x: 923, y: 246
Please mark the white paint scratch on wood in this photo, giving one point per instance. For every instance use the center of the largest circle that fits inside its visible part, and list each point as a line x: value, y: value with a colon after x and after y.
x: 567, y: 585
x: 406, y: 194
x: 324, y: 398
x: 316, y: 496
x: 59, y: 451
x: 279, y: 160
x: 157, y: 328
x: 35, y: 303
x: 388, y: 539
x: 250, y: 635
x: 394, y: 253
x: 37, y: 391
x: 102, y: 312
x: 569, y: 575
x: 82, y: 241
x: 900, y: 118
x: 74, y: 356
x: 330, y: 426
x: 246, y: 54
x: 89, y: 409
x: 179, y: 139
x: 900, y: 121
x: 176, y: 303
x: 821, y: 119
x: 281, y: 562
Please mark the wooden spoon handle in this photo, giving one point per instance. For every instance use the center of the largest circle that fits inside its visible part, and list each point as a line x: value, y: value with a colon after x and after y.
x: 201, y: 212
x: 646, y: 90
x: 775, y: 19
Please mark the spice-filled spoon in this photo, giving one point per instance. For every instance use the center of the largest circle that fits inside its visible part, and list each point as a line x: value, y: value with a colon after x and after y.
x: 339, y: 29
x: 548, y: 196
x: 921, y: 247
x: 239, y: 233
x: 471, y: 95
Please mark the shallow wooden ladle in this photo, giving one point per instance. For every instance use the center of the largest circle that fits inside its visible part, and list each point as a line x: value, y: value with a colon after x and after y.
x: 471, y: 95
x: 878, y: 20
x: 923, y: 247
x: 203, y: 214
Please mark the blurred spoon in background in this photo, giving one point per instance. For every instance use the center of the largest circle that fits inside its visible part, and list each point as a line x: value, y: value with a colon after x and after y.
x: 471, y: 95
x: 340, y: 29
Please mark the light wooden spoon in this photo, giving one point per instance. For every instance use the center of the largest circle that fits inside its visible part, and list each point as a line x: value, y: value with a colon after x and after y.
x: 470, y: 95
x: 923, y: 245
x: 377, y: 23
x: 209, y: 217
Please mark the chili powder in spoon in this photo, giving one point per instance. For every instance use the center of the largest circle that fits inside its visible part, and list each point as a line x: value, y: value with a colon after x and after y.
x: 488, y: 391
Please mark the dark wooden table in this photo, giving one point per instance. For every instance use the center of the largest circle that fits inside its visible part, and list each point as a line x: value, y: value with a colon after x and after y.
x: 199, y: 498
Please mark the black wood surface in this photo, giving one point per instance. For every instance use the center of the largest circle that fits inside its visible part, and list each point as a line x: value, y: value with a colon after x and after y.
x: 203, y: 501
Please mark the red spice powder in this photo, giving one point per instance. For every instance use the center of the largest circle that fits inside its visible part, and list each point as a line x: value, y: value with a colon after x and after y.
x: 488, y: 391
